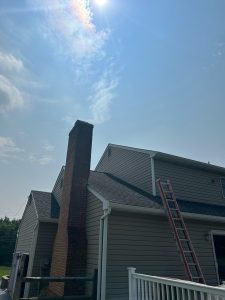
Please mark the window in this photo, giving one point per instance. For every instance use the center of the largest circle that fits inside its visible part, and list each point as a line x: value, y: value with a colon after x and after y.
x: 222, y: 180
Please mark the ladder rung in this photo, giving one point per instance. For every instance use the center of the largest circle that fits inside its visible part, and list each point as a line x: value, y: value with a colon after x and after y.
x: 184, y: 240
x: 192, y: 264
x: 177, y: 219
x: 179, y: 228
x: 170, y: 199
x: 173, y: 208
x: 188, y: 251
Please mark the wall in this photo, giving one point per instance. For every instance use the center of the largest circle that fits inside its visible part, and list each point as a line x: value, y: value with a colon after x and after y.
x: 146, y: 242
x: 191, y: 183
x: 131, y: 166
x: 58, y: 187
x: 43, y: 252
x: 94, y: 213
x: 26, y: 229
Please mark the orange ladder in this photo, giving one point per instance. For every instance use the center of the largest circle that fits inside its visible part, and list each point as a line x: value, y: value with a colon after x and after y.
x: 183, y: 241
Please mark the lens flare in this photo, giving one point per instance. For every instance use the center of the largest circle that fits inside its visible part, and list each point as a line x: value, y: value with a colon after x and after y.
x: 100, y: 2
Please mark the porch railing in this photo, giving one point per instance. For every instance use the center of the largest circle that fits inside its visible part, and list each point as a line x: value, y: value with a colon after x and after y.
x: 145, y: 287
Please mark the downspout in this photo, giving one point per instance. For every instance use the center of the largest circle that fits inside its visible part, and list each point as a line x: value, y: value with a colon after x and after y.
x: 102, y: 254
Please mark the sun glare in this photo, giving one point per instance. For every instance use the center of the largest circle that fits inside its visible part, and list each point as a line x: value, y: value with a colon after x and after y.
x: 100, y: 2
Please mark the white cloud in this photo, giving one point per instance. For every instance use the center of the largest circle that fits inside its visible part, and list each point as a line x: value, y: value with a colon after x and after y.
x: 48, y: 147
x: 8, y: 148
x: 10, y: 62
x: 10, y: 96
x: 42, y: 159
x: 103, y: 91
x: 70, y: 28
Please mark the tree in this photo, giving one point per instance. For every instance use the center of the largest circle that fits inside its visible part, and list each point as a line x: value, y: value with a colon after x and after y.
x: 8, y: 233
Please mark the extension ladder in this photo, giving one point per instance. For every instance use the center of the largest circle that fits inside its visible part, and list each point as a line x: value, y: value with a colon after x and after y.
x: 184, y: 244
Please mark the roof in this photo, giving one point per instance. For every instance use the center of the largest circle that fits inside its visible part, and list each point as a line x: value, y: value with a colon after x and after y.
x: 46, y: 205
x: 171, y: 158
x: 119, y: 191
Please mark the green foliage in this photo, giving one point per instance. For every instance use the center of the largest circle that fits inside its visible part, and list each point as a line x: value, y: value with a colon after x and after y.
x: 8, y: 232
x: 4, y: 271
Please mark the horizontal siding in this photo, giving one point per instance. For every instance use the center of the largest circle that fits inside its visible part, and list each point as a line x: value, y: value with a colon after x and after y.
x: 94, y: 213
x: 26, y: 229
x: 43, y: 251
x: 58, y: 187
x: 191, y: 183
x: 131, y: 166
x: 147, y: 243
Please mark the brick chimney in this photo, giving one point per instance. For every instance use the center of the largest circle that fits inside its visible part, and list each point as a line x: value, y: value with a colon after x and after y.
x: 69, y: 253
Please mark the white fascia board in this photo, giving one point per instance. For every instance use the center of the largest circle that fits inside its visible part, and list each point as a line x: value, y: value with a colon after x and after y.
x: 150, y: 152
x: 151, y: 211
x: 100, y: 197
x: 161, y: 212
x: 34, y: 204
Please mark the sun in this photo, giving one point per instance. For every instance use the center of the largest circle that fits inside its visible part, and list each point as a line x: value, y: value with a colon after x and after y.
x: 100, y: 2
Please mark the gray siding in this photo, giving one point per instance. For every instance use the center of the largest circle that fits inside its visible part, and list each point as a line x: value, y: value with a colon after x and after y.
x: 94, y: 212
x: 26, y: 229
x: 131, y: 166
x: 58, y: 187
x: 191, y: 183
x: 43, y: 251
x: 147, y: 243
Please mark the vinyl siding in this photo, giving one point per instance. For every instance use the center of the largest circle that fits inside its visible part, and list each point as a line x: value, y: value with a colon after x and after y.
x: 26, y: 229
x: 131, y: 166
x: 191, y: 183
x: 43, y: 252
x: 94, y: 213
x: 58, y: 187
x: 147, y: 243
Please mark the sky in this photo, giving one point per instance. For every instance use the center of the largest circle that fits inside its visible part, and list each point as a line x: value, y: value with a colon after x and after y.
x: 148, y: 74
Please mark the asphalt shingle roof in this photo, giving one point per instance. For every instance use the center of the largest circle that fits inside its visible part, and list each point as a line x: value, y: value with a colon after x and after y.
x: 115, y: 191
x: 47, y: 206
x: 119, y: 191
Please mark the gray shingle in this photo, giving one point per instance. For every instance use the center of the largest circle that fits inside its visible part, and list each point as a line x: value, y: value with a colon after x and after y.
x: 47, y: 206
x: 119, y: 191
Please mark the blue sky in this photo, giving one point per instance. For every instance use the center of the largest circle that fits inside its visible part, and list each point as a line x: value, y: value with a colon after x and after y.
x: 147, y: 74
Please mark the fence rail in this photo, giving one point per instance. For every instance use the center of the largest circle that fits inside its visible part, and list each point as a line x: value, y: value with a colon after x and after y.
x: 146, y: 287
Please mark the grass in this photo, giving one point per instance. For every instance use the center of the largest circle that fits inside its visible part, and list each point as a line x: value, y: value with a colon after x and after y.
x: 4, y: 270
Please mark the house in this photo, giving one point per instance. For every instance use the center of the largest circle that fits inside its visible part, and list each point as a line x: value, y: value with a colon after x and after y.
x: 112, y: 218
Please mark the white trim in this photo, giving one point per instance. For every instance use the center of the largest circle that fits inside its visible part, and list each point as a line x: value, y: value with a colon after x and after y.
x: 100, y: 197
x: 170, y: 158
x: 102, y: 255
x: 212, y: 233
x: 152, y: 211
x: 161, y: 212
x: 153, y: 175
x: 99, y: 260
x: 34, y: 203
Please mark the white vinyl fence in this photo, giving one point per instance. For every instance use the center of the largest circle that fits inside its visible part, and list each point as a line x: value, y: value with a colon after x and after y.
x: 146, y: 287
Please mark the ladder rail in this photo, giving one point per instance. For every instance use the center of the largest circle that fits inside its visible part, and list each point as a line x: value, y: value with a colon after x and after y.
x: 169, y: 196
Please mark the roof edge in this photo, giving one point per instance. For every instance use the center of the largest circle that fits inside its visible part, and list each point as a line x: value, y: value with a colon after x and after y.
x: 161, y: 212
x: 151, y: 211
x: 169, y: 157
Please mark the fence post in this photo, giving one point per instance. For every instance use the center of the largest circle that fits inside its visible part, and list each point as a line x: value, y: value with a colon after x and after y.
x: 94, y: 285
x: 132, y: 283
